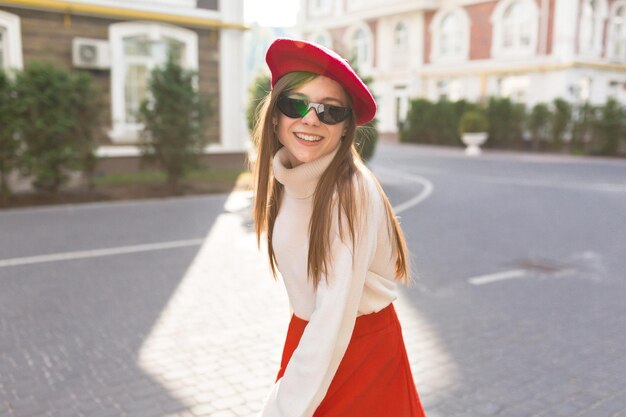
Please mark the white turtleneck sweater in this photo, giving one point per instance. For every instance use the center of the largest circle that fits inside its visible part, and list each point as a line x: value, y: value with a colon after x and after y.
x: 358, y: 283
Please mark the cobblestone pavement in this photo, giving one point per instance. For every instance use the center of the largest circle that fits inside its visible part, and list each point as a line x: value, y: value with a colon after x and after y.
x: 197, y: 330
x: 72, y: 345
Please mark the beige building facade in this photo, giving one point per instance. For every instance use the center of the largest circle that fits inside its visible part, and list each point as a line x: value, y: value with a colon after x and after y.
x: 120, y: 42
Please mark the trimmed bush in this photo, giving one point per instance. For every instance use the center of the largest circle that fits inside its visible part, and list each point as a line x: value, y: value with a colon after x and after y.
x: 58, y: 118
x: 610, y: 129
x: 506, y: 122
x: 560, y: 123
x: 538, y: 123
x: 584, y: 120
x: 8, y: 143
x: 473, y: 121
x: 174, y: 119
x: 257, y: 91
x: 416, y: 126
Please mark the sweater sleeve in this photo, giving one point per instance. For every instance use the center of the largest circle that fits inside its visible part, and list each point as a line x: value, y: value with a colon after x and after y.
x: 327, y: 335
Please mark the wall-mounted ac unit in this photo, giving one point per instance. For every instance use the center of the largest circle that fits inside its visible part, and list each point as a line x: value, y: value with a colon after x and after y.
x: 90, y: 53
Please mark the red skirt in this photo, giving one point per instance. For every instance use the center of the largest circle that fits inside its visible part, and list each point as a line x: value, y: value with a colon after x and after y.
x: 374, y: 377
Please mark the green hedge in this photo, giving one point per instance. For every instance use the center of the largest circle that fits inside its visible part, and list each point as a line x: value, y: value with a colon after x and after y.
x: 557, y: 126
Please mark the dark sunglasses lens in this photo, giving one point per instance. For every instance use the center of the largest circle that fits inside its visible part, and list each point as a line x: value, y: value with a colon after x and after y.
x: 292, y: 107
x: 333, y: 114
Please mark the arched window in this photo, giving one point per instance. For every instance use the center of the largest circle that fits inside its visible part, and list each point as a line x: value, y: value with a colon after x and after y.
x: 136, y: 49
x: 517, y: 24
x: 400, y: 50
x: 617, y: 37
x: 360, y: 42
x: 450, y: 35
x: 10, y: 41
x: 515, y: 28
x: 401, y: 37
x: 592, y: 16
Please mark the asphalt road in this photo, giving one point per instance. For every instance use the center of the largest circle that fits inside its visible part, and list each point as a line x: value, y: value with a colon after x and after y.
x: 166, y: 308
x: 521, y: 275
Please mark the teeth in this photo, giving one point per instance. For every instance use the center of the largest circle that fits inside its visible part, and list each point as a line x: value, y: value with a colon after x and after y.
x: 308, y: 138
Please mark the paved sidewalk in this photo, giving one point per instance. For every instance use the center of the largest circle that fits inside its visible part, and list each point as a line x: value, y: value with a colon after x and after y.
x: 135, y: 341
x: 218, y: 345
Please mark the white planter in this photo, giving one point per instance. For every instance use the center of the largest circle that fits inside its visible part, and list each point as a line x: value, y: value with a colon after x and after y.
x: 473, y: 141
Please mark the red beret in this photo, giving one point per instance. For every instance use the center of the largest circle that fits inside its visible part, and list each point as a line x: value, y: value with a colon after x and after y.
x: 289, y: 55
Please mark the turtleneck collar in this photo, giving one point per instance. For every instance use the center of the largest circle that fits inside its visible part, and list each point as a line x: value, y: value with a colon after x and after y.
x: 301, y: 181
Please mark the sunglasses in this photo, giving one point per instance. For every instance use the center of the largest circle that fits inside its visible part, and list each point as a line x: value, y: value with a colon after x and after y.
x: 326, y: 113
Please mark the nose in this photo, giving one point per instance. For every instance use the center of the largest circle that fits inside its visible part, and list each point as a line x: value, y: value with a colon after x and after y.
x: 311, y: 118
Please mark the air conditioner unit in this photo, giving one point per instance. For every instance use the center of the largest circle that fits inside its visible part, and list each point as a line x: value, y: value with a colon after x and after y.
x: 90, y: 53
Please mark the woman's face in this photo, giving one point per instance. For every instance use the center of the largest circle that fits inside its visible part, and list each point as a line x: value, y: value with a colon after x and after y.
x: 306, y: 138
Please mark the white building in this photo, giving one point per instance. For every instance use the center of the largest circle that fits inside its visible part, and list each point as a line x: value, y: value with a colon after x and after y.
x: 530, y: 50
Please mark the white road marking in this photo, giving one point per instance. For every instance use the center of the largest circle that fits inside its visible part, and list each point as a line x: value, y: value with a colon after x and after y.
x: 423, y: 195
x: 578, y: 186
x: 500, y: 276
x: 109, y: 204
x: 53, y: 257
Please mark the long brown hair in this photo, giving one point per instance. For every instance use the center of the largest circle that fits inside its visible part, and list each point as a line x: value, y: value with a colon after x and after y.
x: 337, y: 180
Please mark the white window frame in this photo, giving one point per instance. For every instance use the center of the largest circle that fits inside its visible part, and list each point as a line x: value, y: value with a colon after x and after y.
x: 363, y: 62
x: 599, y: 17
x: 122, y: 131
x: 400, y: 49
x: 11, y: 41
x: 612, y: 36
x: 498, y: 50
x: 435, y: 29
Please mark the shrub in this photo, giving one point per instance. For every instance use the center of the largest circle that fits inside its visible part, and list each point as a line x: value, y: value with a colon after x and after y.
x: 366, y: 139
x: 416, y: 126
x: 560, y: 123
x: 8, y: 144
x: 57, y: 115
x: 443, y: 119
x: 473, y: 121
x: 506, y: 122
x: 538, y: 125
x: 610, y: 129
x: 174, y: 119
x: 259, y: 88
x: 584, y: 120
x: 367, y: 135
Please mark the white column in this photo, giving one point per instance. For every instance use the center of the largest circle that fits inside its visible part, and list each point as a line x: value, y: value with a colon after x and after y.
x: 233, y: 132
x: 564, y: 36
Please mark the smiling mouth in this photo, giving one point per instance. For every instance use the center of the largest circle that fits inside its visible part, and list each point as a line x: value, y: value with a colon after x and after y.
x: 308, y: 138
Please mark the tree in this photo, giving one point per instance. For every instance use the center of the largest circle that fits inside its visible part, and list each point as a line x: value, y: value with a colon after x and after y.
x: 175, y: 118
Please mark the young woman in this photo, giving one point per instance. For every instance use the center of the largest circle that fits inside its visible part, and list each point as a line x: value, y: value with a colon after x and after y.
x: 333, y: 236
